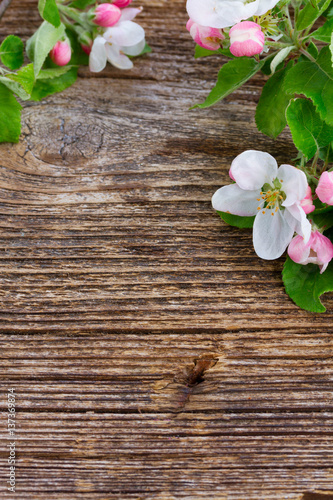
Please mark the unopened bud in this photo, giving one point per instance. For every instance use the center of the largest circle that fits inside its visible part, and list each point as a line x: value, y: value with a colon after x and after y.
x: 106, y: 15
x: 61, y: 53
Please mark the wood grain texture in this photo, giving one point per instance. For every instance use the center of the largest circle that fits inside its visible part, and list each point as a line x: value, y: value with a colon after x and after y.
x: 153, y: 355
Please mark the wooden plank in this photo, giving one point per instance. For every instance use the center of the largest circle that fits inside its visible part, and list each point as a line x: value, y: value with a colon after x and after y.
x: 153, y: 355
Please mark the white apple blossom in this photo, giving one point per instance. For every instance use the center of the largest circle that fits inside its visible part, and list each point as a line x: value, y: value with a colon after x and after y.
x: 224, y: 13
x: 270, y: 193
x: 125, y: 38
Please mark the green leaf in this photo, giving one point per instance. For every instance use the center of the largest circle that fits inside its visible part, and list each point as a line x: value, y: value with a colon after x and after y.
x: 280, y: 57
x: 331, y: 48
x: 309, y: 132
x: 270, y: 113
x: 48, y: 10
x: 305, y: 284
x: 310, y: 13
x: 314, y: 79
x: 231, y: 76
x: 201, y: 52
x: 40, y: 44
x: 323, y: 220
x: 50, y: 73
x: 45, y: 87
x: 81, y: 4
x: 11, y: 52
x: 20, y: 83
x: 10, y: 116
x: 236, y: 220
x: 324, y: 33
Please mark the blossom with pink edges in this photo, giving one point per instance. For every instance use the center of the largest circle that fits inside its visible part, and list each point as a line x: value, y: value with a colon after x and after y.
x: 246, y: 39
x: 318, y: 250
x: 271, y: 193
x: 208, y: 38
x: 224, y: 13
x: 61, y: 53
x: 106, y: 15
x: 306, y: 203
x: 324, y: 189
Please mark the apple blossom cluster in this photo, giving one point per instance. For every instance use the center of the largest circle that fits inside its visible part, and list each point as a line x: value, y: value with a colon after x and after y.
x: 287, y: 212
x: 106, y: 33
x: 214, y: 21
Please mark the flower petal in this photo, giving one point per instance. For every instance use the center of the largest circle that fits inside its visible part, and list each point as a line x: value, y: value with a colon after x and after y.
x: 294, y: 184
x: 235, y: 200
x: 125, y: 34
x: 296, y: 218
x: 252, y: 169
x: 97, y: 58
x: 271, y: 234
x: 129, y: 14
x: 221, y: 13
x: 116, y: 58
x: 134, y: 50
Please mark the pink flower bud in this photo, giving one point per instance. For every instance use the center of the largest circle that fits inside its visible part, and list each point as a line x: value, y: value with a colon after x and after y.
x: 61, y: 53
x: 324, y: 189
x: 246, y: 39
x: 318, y: 250
x: 208, y: 38
x: 106, y: 15
x: 306, y: 203
x: 122, y: 3
x: 86, y: 48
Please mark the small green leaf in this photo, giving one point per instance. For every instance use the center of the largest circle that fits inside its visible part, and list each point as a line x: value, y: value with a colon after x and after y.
x: 48, y: 10
x: 40, y: 44
x: 310, y: 13
x: 323, y: 220
x: 314, y: 79
x: 324, y: 33
x: 50, y: 73
x: 280, y: 57
x: 11, y: 52
x: 236, y: 220
x: 201, y: 52
x: 305, y: 284
x: 309, y: 132
x: 10, y: 116
x: 45, y: 87
x: 81, y: 4
x: 20, y: 83
x: 270, y: 113
x: 231, y: 76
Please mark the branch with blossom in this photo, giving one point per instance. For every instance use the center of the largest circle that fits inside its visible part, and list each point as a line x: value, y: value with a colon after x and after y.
x: 289, y: 207
x: 71, y: 34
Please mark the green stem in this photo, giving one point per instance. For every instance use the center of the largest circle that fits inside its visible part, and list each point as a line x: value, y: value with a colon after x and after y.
x: 306, y: 54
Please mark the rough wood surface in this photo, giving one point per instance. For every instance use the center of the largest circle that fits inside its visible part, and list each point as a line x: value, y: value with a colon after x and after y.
x: 153, y: 355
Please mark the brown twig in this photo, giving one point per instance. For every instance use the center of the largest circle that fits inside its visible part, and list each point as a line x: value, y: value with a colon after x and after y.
x: 4, y: 6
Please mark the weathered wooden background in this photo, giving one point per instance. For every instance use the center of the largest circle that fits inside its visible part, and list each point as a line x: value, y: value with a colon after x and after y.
x: 154, y: 356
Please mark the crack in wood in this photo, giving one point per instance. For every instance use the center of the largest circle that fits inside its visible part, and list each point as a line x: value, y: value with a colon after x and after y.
x: 175, y: 394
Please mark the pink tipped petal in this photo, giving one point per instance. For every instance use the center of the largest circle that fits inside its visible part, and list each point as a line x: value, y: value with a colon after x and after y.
x: 306, y: 203
x: 122, y: 3
x: 61, y: 53
x: 318, y: 250
x: 324, y: 189
x: 252, y: 169
x: 246, y: 39
x: 271, y: 234
x: 236, y: 201
x: 106, y: 15
x: 248, y: 48
x: 208, y: 38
